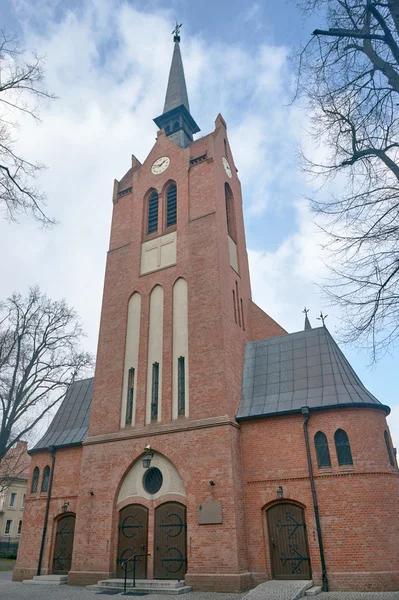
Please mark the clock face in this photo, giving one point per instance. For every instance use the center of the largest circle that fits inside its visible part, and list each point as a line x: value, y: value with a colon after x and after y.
x: 160, y: 165
x: 227, y: 167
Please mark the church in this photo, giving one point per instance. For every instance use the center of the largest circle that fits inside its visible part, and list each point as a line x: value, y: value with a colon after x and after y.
x: 212, y: 448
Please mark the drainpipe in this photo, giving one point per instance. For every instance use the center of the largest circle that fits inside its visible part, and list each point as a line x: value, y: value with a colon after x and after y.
x: 50, y: 485
x: 306, y: 413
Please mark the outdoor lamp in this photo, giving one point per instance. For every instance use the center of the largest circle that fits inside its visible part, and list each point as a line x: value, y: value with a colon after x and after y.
x: 280, y: 492
x: 148, y: 454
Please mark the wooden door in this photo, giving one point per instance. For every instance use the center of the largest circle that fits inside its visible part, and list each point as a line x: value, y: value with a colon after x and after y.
x: 63, y: 545
x: 288, y: 542
x: 133, y: 540
x: 170, y: 541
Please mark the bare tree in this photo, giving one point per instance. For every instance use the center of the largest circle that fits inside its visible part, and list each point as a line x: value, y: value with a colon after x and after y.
x: 349, y: 72
x: 40, y: 357
x: 21, y: 86
x: 14, y: 465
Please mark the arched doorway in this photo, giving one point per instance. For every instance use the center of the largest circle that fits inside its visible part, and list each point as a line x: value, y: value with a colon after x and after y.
x: 288, y: 542
x: 63, y: 546
x: 170, y: 541
x: 132, y: 540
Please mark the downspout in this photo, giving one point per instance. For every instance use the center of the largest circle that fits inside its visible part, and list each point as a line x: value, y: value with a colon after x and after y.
x: 306, y: 413
x: 50, y: 485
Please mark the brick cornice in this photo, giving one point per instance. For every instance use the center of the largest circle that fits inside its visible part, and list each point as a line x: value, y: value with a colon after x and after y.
x: 155, y: 430
x: 324, y: 476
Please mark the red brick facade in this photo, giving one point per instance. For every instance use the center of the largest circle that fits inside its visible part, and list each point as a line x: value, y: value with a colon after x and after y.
x: 247, y: 462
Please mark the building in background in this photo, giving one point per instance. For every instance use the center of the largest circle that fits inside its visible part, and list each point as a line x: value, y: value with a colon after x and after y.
x: 14, y: 471
x: 212, y: 445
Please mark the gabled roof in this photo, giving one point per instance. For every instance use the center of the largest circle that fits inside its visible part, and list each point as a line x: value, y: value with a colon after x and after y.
x: 283, y: 374
x: 176, y: 93
x: 71, y: 422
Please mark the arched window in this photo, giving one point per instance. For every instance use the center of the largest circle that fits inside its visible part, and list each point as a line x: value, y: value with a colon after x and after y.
x: 343, y: 448
x: 35, y: 480
x: 176, y: 126
x: 322, y: 451
x: 388, y: 445
x: 171, y: 205
x: 152, y: 222
x: 230, y: 211
x: 45, y: 480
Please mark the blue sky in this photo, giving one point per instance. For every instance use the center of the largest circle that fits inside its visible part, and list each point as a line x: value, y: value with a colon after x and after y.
x: 108, y: 64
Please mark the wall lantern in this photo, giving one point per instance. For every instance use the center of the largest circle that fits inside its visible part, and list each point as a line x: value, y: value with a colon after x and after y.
x: 65, y: 506
x: 148, y: 454
x: 280, y: 492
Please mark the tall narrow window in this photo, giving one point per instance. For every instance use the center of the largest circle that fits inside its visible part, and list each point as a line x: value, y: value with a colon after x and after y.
x: 229, y: 211
x: 242, y: 314
x: 225, y: 148
x: 35, y: 480
x: 152, y: 224
x: 19, y: 528
x: 235, y: 306
x: 13, y: 500
x: 45, y: 480
x: 388, y: 445
x: 8, y: 527
x: 322, y: 451
x: 130, y: 395
x: 171, y: 206
x: 181, y: 386
x: 238, y: 305
x: 155, y: 388
x: 343, y: 448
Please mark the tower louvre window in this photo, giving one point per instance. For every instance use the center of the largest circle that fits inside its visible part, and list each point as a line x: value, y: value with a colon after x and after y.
x: 242, y: 314
x: 171, y: 206
x: 388, y: 445
x: 155, y: 388
x: 322, y: 451
x: 228, y: 194
x: 152, y: 224
x: 35, y: 480
x: 235, y: 306
x: 343, y: 448
x: 181, y: 385
x: 45, y: 480
x: 130, y: 395
x: 238, y: 305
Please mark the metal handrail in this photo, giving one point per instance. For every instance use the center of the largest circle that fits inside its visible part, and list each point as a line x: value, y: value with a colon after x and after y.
x: 124, y: 562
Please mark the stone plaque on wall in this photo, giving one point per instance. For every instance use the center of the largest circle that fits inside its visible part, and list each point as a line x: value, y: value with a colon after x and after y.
x: 210, y: 513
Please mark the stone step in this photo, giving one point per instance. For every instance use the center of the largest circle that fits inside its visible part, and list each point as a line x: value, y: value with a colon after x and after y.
x: 314, y: 591
x: 143, y: 586
x: 47, y: 580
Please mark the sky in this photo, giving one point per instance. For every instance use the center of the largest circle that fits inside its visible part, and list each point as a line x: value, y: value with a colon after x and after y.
x: 108, y: 63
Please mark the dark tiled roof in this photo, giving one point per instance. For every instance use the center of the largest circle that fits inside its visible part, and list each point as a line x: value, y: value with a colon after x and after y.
x: 176, y: 93
x: 71, y: 423
x: 283, y: 374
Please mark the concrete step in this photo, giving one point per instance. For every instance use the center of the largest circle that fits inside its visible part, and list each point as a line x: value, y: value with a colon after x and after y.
x: 143, y: 586
x: 314, y: 591
x: 47, y: 580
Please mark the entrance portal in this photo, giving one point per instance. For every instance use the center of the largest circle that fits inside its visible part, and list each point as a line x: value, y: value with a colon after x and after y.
x: 63, y: 545
x: 170, y: 541
x: 288, y: 542
x: 133, y: 538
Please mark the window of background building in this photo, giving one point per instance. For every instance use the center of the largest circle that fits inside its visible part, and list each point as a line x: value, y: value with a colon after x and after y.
x: 19, y: 527
x: 23, y: 501
x: 13, y: 500
x: 8, y: 527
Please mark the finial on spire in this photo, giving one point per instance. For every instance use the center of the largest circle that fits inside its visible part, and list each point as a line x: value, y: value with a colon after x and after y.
x: 307, y: 322
x: 176, y: 32
x: 322, y: 318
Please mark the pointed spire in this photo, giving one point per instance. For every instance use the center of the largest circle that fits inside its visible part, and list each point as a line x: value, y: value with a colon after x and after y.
x: 307, y: 322
x: 176, y: 119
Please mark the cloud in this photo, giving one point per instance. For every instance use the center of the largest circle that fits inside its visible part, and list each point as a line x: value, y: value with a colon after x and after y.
x: 393, y: 422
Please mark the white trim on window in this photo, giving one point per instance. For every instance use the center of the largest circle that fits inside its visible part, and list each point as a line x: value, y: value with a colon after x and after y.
x: 23, y: 501
x: 10, y: 527
x: 12, y: 503
x: 19, y: 527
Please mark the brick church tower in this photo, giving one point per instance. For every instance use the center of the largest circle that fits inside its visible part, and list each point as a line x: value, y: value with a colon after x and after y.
x: 202, y: 447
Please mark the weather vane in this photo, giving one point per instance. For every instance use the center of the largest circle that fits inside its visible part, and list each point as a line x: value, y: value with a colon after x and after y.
x: 322, y: 318
x: 176, y: 32
x: 305, y: 310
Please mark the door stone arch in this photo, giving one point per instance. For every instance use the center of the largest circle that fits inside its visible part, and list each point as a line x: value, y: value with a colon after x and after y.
x: 289, y: 549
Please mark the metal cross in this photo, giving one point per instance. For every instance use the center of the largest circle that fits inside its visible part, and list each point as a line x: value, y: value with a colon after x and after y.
x: 305, y: 310
x: 322, y: 318
x: 176, y: 31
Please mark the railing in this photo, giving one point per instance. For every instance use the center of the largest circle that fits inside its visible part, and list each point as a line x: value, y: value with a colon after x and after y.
x: 123, y: 564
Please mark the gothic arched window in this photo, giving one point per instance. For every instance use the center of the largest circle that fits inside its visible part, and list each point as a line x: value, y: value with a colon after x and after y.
x: 230, y: 217
x: 322, y: 451
x: 171, y: 205
x: 152, y: 220
x: 35, y: 480
x: 388, y: 445
x: 46, y: 478
x: 343, y: 448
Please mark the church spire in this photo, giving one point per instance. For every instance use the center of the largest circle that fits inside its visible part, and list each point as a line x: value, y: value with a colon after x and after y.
x: 307, y: 322
x: 176, y: 119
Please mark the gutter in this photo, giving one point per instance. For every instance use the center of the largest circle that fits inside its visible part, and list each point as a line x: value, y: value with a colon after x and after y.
x: 50, y: 485
x: 306, y: 413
